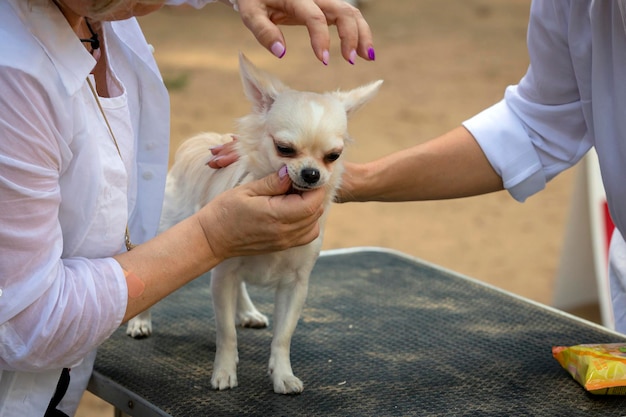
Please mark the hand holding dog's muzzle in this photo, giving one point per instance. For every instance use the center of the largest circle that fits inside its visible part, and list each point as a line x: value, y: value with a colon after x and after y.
x: 259, y: 217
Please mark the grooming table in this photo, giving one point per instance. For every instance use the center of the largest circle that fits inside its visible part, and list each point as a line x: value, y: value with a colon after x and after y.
x: 381, y: 334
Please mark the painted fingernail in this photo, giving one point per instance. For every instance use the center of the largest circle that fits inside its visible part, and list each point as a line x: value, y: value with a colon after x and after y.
x: 282, y: 173
x: 352, y: 57
x: 371, y: 54
x: 278, y: 49
x: 325, y: 57
x: 215, y: 160
x: 216, y: 148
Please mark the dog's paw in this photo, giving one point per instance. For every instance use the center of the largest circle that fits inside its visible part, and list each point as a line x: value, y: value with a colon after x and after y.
x: 139, y: 328
x: 225, y: 369
x: 252, y: 318
x: 287, y: 384
x: 223, y: 379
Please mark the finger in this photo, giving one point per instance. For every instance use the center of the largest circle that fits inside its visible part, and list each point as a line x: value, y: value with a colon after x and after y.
x: 224, y: 154
x: 221, y: 161
x: 223, y: 158
x: 224, y: 147
x: 271, y: 185
x: 347, y: 29
x: 299, y: 209
x: 307, y: 12
x: 296, y: 236
x: 306, y: 236
x: 256, y: 18
x: 262, y: 21
x: 353, y: 30
x: 300, y: 232
x: 314, y: 198
x: 345, y: 18
x: 317, y: 26
x: 215, y: 162
x: 365, y: 47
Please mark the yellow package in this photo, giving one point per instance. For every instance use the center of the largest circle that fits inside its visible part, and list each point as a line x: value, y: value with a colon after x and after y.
x: 601, y: 368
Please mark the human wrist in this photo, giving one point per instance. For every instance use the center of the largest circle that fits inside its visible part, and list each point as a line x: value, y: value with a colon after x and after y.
x: 209, y: 227
x: 353, y: 184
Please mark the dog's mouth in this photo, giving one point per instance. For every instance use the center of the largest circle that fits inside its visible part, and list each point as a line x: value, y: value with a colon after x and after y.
x: 295, y: 189
x: 299, y: 189
x: 300, y: 185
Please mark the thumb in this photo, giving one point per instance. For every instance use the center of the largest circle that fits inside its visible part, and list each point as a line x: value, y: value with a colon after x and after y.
x: 274, y: 184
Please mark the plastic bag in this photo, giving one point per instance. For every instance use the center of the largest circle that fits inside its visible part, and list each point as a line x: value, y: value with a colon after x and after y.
x: 599, y: 368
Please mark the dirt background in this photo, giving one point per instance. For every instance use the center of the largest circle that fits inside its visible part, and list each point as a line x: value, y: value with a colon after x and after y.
x: 442, y: 62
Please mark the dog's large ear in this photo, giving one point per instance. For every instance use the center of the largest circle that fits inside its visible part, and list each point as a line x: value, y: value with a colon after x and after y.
x: 355, y: 99
x: 260, y: 87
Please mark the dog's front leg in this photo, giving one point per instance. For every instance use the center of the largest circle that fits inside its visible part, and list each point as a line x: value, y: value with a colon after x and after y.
x: 224, y: 289
x: 288, y: 306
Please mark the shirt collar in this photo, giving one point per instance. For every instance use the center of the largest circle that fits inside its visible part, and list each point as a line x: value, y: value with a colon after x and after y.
x: 48, y: 25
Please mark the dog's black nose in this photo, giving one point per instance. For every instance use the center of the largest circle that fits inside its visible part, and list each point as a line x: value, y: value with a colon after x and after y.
x: 310, y: 175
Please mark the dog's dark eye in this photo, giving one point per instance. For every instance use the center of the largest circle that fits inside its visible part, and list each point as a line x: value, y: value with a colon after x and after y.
x: 332, y: 157
x: 285, y: 150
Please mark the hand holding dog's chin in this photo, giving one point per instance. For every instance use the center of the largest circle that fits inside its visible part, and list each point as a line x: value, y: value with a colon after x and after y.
x: 258, y: 218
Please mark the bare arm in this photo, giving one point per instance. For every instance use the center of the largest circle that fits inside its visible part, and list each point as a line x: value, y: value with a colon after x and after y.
x: 449, y: 166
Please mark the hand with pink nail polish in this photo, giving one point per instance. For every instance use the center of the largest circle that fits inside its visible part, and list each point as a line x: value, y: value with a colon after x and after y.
x: 261, y: 217
x: 223, y: 155
x: 262, y: 17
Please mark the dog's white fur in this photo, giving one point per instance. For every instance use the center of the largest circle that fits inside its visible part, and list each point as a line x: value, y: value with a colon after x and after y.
x: 306, y: 132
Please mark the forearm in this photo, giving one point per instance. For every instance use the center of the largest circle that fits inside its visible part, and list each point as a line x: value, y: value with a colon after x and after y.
x: 449, y: 166
x: 165, y: 263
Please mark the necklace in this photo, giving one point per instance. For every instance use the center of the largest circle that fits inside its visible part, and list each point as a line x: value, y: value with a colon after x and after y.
x: 127, y: 241
x: 94, y: 41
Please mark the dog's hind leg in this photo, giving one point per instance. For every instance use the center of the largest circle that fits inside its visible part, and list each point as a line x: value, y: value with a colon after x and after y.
x: 247, y: 313
x: 224, y: 289
x: 290, y: 299
x: 140, y: 326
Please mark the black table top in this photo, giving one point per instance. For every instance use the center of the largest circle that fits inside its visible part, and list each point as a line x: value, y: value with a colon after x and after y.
x: 381, y: 334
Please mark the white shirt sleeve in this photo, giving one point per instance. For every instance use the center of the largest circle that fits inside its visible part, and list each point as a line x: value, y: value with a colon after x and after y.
x: 540, y: 128
x: 53, y: 311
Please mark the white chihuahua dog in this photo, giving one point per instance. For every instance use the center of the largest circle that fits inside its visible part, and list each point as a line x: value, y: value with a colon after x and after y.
x: 303, y: 131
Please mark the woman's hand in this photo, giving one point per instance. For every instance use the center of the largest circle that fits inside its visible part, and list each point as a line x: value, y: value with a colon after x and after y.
x: 259, y: 217
x: 252, y: 219
x: 263, y: 16
x: 223, y: 155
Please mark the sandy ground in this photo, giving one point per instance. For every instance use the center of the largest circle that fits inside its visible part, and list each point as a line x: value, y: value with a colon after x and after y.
x: 442, y: 62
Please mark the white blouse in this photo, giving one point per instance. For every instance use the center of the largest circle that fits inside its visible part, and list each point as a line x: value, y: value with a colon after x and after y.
x: 572, y: 97
x: 65, y: 193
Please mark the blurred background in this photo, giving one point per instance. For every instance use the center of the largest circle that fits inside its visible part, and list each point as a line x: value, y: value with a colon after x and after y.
x: 442, y: 62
